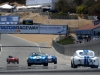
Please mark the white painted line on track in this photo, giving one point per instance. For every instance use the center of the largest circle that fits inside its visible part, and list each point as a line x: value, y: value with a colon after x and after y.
x: 26, y: 41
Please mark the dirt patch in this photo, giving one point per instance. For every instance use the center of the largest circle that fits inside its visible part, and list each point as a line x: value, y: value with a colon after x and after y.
x: 43, y: 19
x: 37, y: 37
x: 71, y: 23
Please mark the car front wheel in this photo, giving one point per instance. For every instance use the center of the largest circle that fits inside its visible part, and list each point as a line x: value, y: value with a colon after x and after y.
x: 95, y: 66
x: 46, y: 64
x: 74, y: 66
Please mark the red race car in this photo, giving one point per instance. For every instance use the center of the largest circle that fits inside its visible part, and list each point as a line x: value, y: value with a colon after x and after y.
x: 12, y: 59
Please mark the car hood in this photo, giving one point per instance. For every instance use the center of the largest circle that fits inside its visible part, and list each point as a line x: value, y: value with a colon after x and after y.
x: 37, y: 57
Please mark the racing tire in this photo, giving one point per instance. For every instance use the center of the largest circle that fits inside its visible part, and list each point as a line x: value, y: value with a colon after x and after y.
x: 17, y: 62
x: 72, y: 65
x: 46, y: 64
x: 29, y: 64
x: 55, y: 62
x: 94, y: 66
x: 8, y: 62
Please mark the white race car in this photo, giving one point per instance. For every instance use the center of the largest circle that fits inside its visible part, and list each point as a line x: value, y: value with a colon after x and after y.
x: 84, y: 58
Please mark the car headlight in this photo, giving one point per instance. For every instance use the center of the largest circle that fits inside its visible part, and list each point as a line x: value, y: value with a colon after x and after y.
x: 43, y: 58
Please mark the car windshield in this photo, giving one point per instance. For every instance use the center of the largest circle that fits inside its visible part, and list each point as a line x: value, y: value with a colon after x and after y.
x: 37, y: 54
x: 86, y: 53
x: 43, y: 54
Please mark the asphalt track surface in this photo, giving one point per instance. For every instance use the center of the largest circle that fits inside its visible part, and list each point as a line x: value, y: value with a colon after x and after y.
x: 22, y: 52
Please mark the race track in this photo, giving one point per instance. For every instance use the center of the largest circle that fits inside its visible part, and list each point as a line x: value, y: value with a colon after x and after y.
x: 23, y: 52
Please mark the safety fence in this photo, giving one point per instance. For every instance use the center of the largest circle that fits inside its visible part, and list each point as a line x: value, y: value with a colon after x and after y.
x: 70, y: 49
x: 52, y: 16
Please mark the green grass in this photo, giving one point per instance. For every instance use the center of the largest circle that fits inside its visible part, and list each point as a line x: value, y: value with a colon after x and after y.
x: 66, y: 41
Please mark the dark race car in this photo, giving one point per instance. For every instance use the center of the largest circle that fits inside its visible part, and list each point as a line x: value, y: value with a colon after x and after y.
x: 12, y: 59
x: 52, y: 58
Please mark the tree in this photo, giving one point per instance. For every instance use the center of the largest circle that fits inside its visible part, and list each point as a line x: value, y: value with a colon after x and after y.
x: 62, y: 6
x: 80, y: 9
x: 90, y: 3
x: 78, y: 2
x: 94, y: 9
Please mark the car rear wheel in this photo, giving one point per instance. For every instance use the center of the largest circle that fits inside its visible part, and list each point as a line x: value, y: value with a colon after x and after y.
x: 55, y: 62
x: 29, y: 64
x: 17, y: 62
x: 8, y: 62
x: 96, y: 66
x: 46, y: 64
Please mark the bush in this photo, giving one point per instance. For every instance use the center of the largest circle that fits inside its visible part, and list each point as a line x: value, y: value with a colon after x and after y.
x: 66, y: 41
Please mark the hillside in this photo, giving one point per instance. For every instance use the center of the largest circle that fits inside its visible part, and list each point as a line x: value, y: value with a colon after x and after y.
x: 37, y: 18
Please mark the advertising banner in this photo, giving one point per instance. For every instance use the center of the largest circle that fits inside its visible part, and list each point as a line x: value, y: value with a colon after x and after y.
x: 19, y: 29
x: 9, y: 20
x: 53, y: 29
x: 33, y: 29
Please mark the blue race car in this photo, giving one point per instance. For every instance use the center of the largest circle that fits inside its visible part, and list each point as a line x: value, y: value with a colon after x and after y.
x: 37, y: 58
x: 52, y: 59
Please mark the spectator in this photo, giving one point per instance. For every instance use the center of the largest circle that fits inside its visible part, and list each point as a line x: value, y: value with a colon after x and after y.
x: 83, y: 41
x: 69, y: 36
x: 94, y: 38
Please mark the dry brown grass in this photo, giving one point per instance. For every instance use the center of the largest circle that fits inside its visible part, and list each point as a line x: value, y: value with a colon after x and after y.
x: 36, y: 37
x: 37, y: 18
x: 70, y: 23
